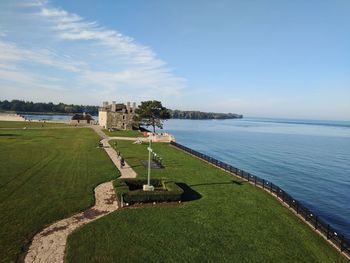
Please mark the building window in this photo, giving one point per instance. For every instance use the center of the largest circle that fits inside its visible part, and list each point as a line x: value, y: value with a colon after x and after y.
x: 123, y: 117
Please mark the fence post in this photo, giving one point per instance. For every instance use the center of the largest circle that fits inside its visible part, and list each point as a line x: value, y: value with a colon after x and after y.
x: 316, y: 222
x: 255, y: 179
x: 271, y: 187
x: 342, y: 243
x: 306, y: 213
x: 263, y: 183
x: 248, y: 175
x: 327, y: 231
x: 297, y: 204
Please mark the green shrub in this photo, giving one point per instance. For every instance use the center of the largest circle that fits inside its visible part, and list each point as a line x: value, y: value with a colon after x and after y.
x: 132, y: 191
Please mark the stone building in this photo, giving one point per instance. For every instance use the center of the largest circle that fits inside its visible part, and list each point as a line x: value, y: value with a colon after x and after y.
x: 117, y: 116
x: 82, y: 118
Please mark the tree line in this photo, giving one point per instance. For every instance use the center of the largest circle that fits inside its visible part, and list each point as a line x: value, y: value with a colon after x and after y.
x: 40, y: 107
x: 36, y: 107
x: 199, y: 115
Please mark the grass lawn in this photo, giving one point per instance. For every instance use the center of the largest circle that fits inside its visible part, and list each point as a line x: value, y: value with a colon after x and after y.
x: 45, y: 175
x: 123, y: 133
x: 225, y: 220
x: 22, y: 124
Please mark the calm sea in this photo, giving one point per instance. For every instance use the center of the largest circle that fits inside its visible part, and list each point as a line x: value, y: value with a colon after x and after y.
x: 48, y: 117
x: 308, y: 159
x: 51, y: 117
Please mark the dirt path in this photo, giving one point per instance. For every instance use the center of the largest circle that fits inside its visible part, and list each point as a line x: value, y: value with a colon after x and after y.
x: 49, y: 245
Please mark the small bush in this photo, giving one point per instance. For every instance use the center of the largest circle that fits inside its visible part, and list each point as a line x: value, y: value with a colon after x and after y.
x: 132, y: 191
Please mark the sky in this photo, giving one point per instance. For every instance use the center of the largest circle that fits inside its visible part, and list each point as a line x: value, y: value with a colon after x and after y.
x: 261, y: 58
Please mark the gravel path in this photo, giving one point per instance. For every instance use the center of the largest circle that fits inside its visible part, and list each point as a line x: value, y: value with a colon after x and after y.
x: 49, y: 245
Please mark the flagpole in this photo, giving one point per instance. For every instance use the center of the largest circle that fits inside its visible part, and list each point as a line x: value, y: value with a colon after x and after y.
x: 149, y: 163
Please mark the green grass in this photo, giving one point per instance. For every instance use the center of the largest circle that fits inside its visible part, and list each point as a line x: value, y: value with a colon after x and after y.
x: 226, y: 221
x: 45, y: 175
x: 131, y: 190
x: 22, y: 124
x: 123, y: 133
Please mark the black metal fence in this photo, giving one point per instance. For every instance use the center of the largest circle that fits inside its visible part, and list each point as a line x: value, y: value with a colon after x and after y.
x: 330, y: 233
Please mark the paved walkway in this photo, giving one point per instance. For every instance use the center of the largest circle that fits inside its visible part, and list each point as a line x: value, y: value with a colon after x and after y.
x: 126, y: 171
x: 143, y: 139
x: 99, y: 131
x: 49, y: 245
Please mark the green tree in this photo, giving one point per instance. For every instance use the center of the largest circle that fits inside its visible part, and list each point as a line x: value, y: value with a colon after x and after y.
x: 152, y: 113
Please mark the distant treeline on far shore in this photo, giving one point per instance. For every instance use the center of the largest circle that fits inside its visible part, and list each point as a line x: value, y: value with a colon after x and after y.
x: 199, y: 115
x: 21, y: 106
x: 40, y: 107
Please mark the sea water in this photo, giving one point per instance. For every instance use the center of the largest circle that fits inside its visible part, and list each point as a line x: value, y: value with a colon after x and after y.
x: 51, y: 117
x: 48, y: 117
x: 308, y: 159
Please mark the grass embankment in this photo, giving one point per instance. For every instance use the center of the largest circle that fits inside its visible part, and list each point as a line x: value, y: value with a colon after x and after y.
x: 123, y: 133
x: 45, y: 175
x: 224, y: 220
x: 30, y: 124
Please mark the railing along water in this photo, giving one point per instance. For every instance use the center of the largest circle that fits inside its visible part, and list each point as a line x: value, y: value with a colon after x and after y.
x: 318, y: 224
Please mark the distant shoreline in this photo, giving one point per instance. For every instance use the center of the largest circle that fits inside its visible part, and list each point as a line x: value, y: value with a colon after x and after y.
x: 212, y: 116
x: 35, y: 113
x: 205, y: 119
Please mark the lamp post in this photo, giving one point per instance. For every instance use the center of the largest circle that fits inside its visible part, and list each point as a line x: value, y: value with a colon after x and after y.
x: 148, y: 186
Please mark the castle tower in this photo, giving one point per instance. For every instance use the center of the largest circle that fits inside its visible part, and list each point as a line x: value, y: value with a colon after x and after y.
x: 117, y: 116
x: 128, y: 107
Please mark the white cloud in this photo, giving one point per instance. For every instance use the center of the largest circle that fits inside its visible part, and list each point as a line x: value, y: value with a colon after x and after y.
x: 33, y: 3
x: 161, y: 82
x: 73, y: 27
x: 11, y: 53
x: 88, y: 56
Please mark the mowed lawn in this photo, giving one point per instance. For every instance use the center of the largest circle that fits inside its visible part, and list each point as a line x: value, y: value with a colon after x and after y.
x: 122, y: 133
x: 45, y: 175
x: 223, y: 220
x: 30, y: 124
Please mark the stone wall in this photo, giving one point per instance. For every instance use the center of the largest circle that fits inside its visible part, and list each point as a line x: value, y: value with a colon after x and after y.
x: 117, y: 116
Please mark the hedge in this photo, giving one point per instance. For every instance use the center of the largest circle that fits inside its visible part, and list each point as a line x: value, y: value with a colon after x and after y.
x: 132, y: 192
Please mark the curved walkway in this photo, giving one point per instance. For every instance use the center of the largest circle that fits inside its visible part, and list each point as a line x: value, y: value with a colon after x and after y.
x: 126, y: 171
x: 49, y: 245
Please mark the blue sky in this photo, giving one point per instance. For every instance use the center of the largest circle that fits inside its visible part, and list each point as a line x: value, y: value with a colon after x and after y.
x: 259, y: 58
